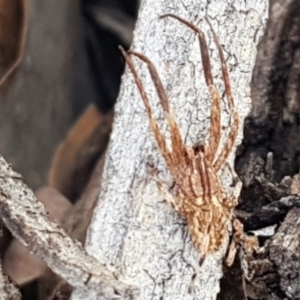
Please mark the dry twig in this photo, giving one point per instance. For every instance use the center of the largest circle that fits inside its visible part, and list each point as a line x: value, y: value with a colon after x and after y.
x: 28, y: 221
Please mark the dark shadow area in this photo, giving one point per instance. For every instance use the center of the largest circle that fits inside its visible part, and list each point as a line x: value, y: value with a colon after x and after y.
x: 270, y: 152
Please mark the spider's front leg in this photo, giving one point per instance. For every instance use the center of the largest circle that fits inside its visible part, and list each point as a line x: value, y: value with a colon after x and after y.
x: 179, y: 153
x: 215, y: 115
x: 153, y: 124
x: 222, y: 158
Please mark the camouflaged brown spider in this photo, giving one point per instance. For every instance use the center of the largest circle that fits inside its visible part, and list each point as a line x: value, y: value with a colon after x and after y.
x: 199, y: 196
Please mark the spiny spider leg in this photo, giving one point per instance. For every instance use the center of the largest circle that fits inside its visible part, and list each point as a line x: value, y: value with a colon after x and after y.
x: 198, y: 195
x: 178, y: 148
x: 203, y: 46
x: 154, y: 126
x: 215, y: 115
x: 180, y: 157
x: 219, y: 162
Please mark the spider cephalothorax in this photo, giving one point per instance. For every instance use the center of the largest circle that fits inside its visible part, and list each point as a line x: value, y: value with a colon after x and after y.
x: 199, y: 195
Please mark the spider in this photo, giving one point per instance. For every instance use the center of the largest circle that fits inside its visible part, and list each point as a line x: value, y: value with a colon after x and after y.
x: 198, y: 194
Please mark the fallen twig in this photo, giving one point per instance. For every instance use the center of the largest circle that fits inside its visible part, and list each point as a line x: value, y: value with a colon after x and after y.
x: 29, y: 222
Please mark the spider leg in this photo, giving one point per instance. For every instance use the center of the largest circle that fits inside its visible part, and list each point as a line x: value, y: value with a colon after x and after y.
x: 237, y: 187
x: 215, y: 115
x: 219, y: 162
x: 154, y: 126
x: 178, y: 147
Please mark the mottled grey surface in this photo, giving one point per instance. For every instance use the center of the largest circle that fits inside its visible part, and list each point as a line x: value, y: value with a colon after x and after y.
x: 29, y: 222
x: 133, y: 232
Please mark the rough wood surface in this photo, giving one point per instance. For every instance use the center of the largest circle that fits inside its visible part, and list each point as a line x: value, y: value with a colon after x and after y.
x: 265, y: 164
x: 133, y: 231
x: 28, y: 220
x: 284, y: 253
x: 76, y: 222
x: 273, y: 121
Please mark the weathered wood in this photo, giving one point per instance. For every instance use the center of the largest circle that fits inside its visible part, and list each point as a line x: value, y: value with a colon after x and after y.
x: 273, y: 120
x: 28, y: 220
x: 76, y: 223
x: 270, y: 153
x: 284, y: 253
x: 133, y: 231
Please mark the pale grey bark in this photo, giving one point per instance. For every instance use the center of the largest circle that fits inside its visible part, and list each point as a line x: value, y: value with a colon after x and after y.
x: 141, y: 240
x: 29, y: 222
x: 137, y: 235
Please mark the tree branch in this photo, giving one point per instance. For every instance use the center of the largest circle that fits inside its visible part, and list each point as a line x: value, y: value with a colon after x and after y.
x: 142, y: 238
x: 28, y: 221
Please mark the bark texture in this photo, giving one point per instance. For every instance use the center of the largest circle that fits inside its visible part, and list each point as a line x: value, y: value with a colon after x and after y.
x: 284, y: 253
x: 273, y: 122
x: 28, y: 221
x: 269, y: 157
x: 134, y: 232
